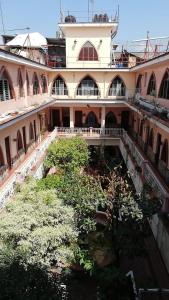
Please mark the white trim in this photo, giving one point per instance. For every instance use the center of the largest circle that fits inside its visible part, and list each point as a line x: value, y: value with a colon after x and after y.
x: 152, y: 62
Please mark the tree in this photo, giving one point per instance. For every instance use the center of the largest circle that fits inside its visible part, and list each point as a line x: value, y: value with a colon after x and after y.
x: 68, y: 154
x: 37, y: 233
x: 81, y: 191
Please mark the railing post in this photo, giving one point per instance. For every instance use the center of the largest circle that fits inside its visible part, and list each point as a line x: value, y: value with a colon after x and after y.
x: 91, y: 130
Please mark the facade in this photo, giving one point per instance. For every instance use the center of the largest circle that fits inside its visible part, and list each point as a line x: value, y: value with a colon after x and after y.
x: 86, y: 88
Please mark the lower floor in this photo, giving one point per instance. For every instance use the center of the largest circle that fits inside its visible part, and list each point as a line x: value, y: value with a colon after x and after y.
x: 17, y: 140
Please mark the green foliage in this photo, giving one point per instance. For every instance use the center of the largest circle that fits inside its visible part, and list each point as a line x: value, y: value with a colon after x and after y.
x: 37, y: 229
x: 83, y: 192
x: 68, y: 154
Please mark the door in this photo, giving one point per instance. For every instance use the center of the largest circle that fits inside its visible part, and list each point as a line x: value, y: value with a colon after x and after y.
x: 158, y: 146
x: 56, y: 118
x: 24, y: 138
x: 78, y: 118
x: 147, y: 139
x: 8, y: 152
x: 66, y: 117
x: 125, y: 120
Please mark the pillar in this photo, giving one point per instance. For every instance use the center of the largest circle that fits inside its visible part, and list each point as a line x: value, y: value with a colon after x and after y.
x: 71, y: 117
x: 103, y: 116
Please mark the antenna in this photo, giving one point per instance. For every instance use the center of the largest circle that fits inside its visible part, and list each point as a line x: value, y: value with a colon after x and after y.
x: 2, y: 19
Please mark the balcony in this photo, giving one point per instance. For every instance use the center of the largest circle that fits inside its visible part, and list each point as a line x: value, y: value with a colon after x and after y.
x: 90, y: 94
x: 151, y: 108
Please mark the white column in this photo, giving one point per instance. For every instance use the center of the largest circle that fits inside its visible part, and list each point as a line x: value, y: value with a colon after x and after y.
x: 71, y: 117
x: 103, y: 116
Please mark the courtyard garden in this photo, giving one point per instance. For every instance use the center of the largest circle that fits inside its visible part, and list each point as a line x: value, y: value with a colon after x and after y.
x: 66, y: 235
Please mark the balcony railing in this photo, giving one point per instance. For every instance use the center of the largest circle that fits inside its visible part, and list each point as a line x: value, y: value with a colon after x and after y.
x: 22, y: 171
x: 91, y: 132
x: 93, y: 93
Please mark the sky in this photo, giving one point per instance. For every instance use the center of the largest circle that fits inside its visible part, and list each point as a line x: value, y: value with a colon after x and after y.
x: 136, y: 17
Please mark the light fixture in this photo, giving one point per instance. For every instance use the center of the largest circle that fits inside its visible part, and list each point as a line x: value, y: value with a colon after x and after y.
x: 101, y: 41
x: 75, y: 42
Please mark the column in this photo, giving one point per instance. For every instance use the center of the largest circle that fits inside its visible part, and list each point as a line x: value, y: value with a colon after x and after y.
x: 103, y: 116
x: 71, y: 117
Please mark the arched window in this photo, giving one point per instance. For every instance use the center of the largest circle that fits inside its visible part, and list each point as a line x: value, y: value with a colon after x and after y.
x: 31, y: 133
x: 27, y: 84
x: 91, y: 120
x: 87, y: 87
x: 152, y: 86
x: 6, y: 88
x: 110, y: 120
x: 44, y: 84
x: 164, y: 152
x: 164, y: 87
x: 1, y: 158
x: 19, y: 141
x: 151, y: 138
x: 20, y: 85
x: 88, y: 52
x: 117, y: 87
x: 36, y: 87
x: 59, y: 87
x: 138, y: 84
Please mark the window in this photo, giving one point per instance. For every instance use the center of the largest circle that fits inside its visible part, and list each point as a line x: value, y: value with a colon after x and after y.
x: 152, y: 86
x: 141, y: 128
x: 27, y: 84
x: 88, y: 53
x: 117, y: 87
x: 36, y: 87
x: 20, y: 85
x: 87, y: 87
x: 164, y: 152
x: 6, y: 88
x: 31, y: 133
x: 59, y: 87
x: 1, y: 158
x: 44, y: 84
x: 19, y: 141
x: 138, y: 84
x: 145, y: 79
x: 164, y: 88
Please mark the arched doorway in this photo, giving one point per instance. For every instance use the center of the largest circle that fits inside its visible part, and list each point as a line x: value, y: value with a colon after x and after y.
x: 110, y: 121
x: 91, y: 120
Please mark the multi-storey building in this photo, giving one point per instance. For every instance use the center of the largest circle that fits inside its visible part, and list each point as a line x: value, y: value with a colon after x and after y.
x: 85, y: 90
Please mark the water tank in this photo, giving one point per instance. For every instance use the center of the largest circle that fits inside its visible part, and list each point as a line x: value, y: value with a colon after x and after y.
x: 70, y: 19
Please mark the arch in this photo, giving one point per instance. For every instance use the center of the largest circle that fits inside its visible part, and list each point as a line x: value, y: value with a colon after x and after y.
x: 164, y: 152
x: 19, y: 141
x: 6, y: 87
x: 36, y: 86
x: 44, y: 84
x: 110, y: 120
x: 88, y: 52
x: 151, y: 90
x: 20, y: 84
x: 151, y: 138
x: 138, y: 83
x: 164, y: 86
x: 27, y: 84
x: 117, y: 87
x: 91, y: 120
x: 59, y: 87
x: 2, y: 162
x: 88, y: 87
x: 31, y: 132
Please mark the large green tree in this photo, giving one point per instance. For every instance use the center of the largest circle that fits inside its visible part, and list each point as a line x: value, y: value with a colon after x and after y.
x: 68, y: 154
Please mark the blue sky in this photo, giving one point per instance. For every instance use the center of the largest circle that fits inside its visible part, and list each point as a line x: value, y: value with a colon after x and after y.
x: 136, y: 17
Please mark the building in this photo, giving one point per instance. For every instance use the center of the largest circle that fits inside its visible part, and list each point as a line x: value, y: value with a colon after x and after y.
x: 82, y: 87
